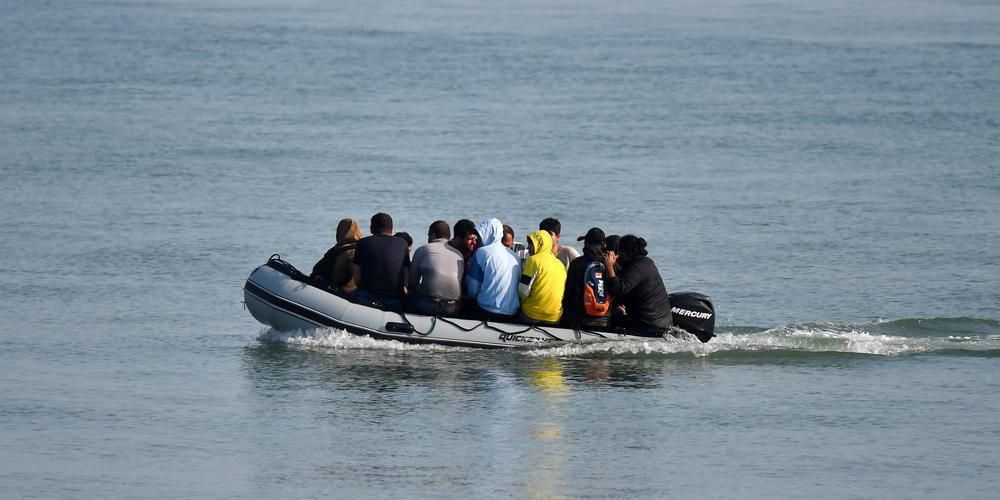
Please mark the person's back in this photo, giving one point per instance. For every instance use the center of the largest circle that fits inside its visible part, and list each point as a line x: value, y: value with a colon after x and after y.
x: 639, y: 287
x: 436, y: 273
x: 334, y: 269
x: 493, y: 275
x: 381, y: 263
x: 565, y: 254
x: 586, y: 301
x: 543, y: 281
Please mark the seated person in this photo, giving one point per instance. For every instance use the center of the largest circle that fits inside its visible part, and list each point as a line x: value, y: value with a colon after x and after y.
x: 542, y: 283
x: 520, y: 249
x: 465, y: 240
x: 334, y: 269
x: 382, y: 264
x: 493, y: 273
x: 436, y: 274
x: 564, y: 254
x: 636, y: 284
x: 406, y: 237
x: 586, y: 303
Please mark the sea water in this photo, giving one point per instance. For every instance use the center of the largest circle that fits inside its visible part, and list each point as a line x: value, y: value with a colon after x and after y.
x: 829, y: 172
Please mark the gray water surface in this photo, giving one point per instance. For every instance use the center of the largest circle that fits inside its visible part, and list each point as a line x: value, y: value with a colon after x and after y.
x: 827, y: 171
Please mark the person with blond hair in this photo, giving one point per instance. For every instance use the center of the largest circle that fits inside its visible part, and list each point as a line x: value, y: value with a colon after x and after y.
x: 334, y: 269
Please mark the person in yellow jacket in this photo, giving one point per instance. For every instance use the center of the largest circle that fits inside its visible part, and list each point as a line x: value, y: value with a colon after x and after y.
x: 543, y: 280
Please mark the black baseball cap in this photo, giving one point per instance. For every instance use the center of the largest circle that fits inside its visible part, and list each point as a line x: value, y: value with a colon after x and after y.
x: 594, y: 236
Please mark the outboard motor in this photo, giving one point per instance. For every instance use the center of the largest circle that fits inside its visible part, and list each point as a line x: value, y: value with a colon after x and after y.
x: 694, y: 313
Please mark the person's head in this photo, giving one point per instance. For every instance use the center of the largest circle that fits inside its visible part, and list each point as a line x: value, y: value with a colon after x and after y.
x: 593, y: 241
x: 489, y: 231
x: 551, y: 225
x: 554, y: 228
x: 439, y: 229
x: 508, y: 236
x: 406, y: 236
x: 381, y: 223
x: 611, y: 243
x: 348, y: 231
x: 539, y: 242
x: 464, y: 236
x: 594, y: 236
x: 631, y: 247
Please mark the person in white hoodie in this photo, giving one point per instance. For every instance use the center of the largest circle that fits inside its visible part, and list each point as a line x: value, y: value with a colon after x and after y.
x: 493, y: 276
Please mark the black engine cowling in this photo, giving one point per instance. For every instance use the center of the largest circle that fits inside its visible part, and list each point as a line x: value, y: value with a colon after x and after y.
x: 694, y: 313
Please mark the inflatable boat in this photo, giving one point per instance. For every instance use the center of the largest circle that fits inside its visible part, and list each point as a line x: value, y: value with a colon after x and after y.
x: 280, y: 296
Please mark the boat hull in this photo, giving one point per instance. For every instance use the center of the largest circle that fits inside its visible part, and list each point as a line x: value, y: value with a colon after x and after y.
x: 279, y: 296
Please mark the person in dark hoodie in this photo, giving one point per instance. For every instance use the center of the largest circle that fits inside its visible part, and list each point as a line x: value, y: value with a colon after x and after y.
x: 586, y: 303
x: 636, y: 284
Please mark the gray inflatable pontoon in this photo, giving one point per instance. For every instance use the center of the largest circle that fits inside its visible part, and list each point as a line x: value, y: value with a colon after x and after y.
x: 283, y: 298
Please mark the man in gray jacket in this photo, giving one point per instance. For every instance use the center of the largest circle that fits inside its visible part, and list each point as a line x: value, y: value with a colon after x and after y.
x: 436, y: 274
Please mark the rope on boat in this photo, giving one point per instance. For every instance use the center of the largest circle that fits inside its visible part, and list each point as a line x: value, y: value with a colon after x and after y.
x: 485, y: 323
x: 460, y: 327
x: 491, y: 327
x: 591, y: 332
x: 418, y: 332
x: 546, y: 332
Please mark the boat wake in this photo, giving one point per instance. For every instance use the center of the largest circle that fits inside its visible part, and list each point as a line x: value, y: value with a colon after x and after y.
x: 335, y: 338
x: 941, y: 336
x: 961, y: 336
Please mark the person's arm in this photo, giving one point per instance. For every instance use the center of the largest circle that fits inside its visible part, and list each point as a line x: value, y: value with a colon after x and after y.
x: 355, y: 266
x: 569, y: 293
x: 627, y: 280
x: 619, y: 285
x: 345, y: 272
x: 413, y: 280
x: 526, y: 283
x: 356, y: 272
x: 474, y: 278
x: 610, y: 259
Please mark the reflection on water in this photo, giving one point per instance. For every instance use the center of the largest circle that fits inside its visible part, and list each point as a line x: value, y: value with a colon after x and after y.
x: 548, y: 377
x: 378, y: 415
x: 547, y: 477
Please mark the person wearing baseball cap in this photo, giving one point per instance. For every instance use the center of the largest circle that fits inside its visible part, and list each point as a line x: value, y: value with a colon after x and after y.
x: 594, y: 235
x: 586, y: 304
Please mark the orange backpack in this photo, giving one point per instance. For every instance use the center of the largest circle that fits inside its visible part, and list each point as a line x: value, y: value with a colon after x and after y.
x: 596, y: 301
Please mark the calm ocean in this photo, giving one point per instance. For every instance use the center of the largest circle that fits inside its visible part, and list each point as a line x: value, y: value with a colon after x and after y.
x: 828, y: 171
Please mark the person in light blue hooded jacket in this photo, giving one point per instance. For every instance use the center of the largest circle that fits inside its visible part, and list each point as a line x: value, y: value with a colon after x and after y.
x: 493, y: 276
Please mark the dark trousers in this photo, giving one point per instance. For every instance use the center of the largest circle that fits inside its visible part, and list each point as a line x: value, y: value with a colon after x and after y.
x: 432, y: 306
x: 380, y: 301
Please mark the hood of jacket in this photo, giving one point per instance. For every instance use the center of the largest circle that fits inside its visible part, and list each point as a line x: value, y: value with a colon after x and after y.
x: 542, y: 241
x: 594, y: 251
x: 490, y: 231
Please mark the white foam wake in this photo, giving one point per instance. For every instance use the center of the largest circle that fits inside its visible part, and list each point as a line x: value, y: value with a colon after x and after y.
x: 333, y: 338
x: 802, y: 338
x: 808, y: 338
